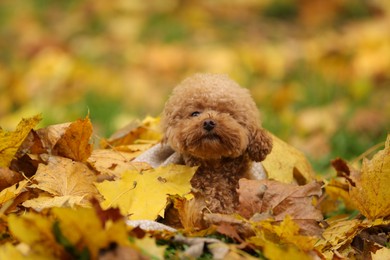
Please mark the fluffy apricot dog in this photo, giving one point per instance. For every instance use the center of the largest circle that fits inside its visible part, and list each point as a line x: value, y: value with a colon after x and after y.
x: 214, y: 123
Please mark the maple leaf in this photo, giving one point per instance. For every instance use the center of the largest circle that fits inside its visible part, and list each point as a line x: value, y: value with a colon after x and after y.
x: 13, y: 191
x: 289, y: 232
x: 8, y: 178
x: 74, y: 143
x: 44, y: 202
x: 36, y: 231
x: 383, y: 253
x: 50, y: 135
x: 70, y: 181
x: 279, y: 200
x: 144, y: 194
x: 11, y: 141
x: 338, y: 237
x: 149, y: 247
x: 148, y: 131
x: 113, y: 162
x: 287, y: 164
x: 9, y: 251
x: 84, y: 229
x: 275, y: 251
x: 371, y: 192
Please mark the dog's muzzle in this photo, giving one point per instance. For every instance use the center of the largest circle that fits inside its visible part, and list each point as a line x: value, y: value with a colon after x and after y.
x: 209, y: 125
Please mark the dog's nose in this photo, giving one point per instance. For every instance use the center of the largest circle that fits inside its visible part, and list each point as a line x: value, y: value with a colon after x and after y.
x: 208, y: 125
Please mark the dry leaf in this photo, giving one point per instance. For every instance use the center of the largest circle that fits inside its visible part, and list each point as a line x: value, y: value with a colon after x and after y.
x: 114, y: 163
x: 289, y: 232
x: 13, y: 191
x: 74, y: 143
x: 143, y: 195
x: 83, y: 228
x: 275, y: 251
x: 150, y: 248
x: 287, y: 164
x: 281, y: 199
x: 64, y: 177
x: 36, y: 231
x: 339, y: 233
x: 148, y: 130
x: 371, y: 193
x: 44, y: 202
x: 8, y: 178
x: 11, y: 141
x: 9, y: 251
x: 50, y: 135
x: 383, y: 253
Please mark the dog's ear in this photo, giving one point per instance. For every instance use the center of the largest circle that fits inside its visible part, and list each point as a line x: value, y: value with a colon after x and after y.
x: 260, y: 145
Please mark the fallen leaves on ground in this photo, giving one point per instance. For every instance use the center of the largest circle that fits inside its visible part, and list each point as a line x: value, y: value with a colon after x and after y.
x: 62, y: 198
x: 11, y: 141
x: 293, y: 167
x: 142, y: 195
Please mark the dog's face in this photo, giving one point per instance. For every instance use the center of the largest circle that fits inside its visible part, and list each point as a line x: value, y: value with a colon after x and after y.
x: 210, y: 117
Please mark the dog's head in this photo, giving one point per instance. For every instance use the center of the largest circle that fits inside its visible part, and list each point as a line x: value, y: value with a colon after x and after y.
x: 209, y: 116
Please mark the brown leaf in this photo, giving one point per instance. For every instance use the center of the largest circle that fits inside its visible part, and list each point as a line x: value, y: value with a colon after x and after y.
x: 61, y: 177
x: 371, y: 193
x: 32, y: 145
x: 13, y: 191
x: 280, y: 199
x: 74, y: 143
x: 343, y: 170
x: 147, y: 130
x: 8, y: 178
x: 230, y: 231
x: 50, y: 135
x: 113, y: 163
x: 11, y: 141
x: 105, y: 215
x: 185, y: 213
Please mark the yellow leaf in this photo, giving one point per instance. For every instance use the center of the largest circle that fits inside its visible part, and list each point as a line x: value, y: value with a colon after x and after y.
x: 11, y: 141
x: 148, y: 131
x: 275, y: 251
x: 114, y: 163
x: 13, y: 191
x: 36, y: 231
x: 144, y: 195
x: 336, y: 189
x: 339, y: 233
x: 149, y: 247
x: 287, y: 164
x: 74, y: 143
x: 9, y: 251
x: 50, y: 202
x: 371, y: 193
x: 383, y: 253
x: 84, y: 229
x: 288, y: 232
x: 62, y: 176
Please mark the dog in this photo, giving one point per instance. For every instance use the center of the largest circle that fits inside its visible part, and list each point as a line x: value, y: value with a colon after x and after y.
x: 213, y: 123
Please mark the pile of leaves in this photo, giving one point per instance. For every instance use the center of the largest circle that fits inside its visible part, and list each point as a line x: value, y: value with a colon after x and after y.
x: 61, y: 197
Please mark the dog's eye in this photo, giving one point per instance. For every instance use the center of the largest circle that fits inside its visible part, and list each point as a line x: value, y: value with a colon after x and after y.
x: 196, y: 113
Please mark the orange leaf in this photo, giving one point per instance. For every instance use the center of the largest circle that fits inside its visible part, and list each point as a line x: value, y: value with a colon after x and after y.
x: 74, y: 143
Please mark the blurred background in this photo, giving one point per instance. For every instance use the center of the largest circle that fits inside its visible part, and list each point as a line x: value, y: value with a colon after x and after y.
x: 318, y: 70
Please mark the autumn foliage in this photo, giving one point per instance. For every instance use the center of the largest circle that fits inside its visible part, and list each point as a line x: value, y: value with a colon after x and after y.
x: 63, y: 197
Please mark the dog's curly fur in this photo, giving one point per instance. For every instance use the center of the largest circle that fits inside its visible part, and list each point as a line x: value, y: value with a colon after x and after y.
x: 214, y: 124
